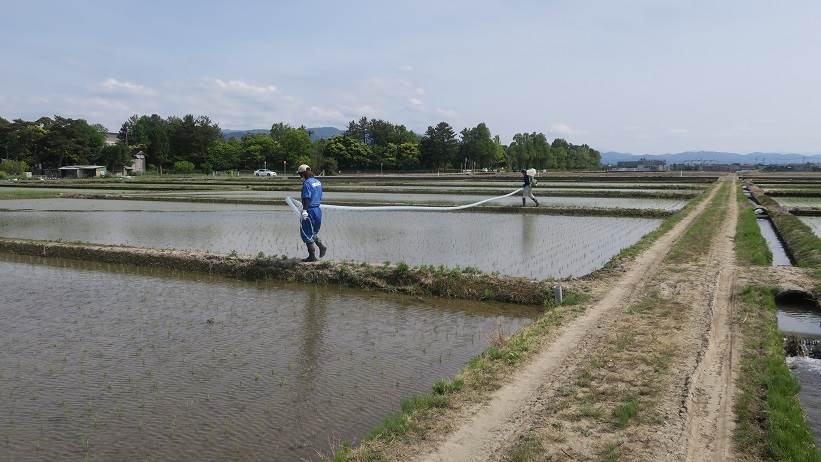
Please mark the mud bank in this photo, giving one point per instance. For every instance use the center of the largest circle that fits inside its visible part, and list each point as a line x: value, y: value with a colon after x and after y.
x: 422, y: 280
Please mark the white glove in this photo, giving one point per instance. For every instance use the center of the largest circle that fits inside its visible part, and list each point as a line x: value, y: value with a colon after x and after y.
x: 304, y: 214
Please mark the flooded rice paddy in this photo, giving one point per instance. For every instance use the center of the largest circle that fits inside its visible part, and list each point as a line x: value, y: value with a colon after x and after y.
x: 411, y: 198
x: 103, y: 362
x: 814, y: 223
x: 537, y: 246
x: 788, y: 201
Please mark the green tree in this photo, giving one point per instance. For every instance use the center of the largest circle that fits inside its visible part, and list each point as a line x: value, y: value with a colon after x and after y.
x: 404, y: 156
x: 439, y: 147
x: 13, y: 167
x: 260, y: 148
x: 224, y: 155
x: 183, y: 166
x: 114, y: 157
x: 70, y: 141
x: 477, y: 145
x: 157, y: 143
x: 350, y: 153
x: 294, y: 144
x: 501, y: 154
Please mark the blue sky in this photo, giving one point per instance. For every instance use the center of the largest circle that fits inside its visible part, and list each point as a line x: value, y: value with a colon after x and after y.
x: 639, y: 75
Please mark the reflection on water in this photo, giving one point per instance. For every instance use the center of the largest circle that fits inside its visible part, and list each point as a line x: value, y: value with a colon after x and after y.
x: 114, y: 363
x: 547, y: 246
x: 799, y: 318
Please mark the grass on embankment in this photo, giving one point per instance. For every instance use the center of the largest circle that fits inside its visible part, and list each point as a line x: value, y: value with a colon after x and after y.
x: 801, y: 242
x: 26, y: 193
x: 698, y: 237
x: 750, y: 246
x: 648, y: 239
x: 771, y: 423
x: 464, y: 283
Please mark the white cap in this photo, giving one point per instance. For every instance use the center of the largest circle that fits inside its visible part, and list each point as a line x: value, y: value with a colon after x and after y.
x: 302, y: 168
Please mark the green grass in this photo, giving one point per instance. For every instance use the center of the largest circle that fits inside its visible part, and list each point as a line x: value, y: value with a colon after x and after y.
x: 698, y: 237
x: 801, y: 241
x: 445, y: 386
x: 611, y: 452
x: 750, y: 247
x: 26, y: 193
x: 771, y: 423
x: 624, y: 412
x: 645, y: 242
x: 527, y: 449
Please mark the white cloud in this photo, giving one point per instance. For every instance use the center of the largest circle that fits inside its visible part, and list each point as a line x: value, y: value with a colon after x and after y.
x: 449, y: 113
x: 243, y: 86
x: 112, y: 85
x: 420, y: 91
x: 366, y: 110
x: 677, y: 131
x: 415, y: 101
x: 564, y: 129
x: 324, y: 115
x: 406, y: 68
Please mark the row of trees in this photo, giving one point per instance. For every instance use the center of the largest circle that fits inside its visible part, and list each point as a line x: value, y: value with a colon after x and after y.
x: 50, y: 141
x: 188, y: 141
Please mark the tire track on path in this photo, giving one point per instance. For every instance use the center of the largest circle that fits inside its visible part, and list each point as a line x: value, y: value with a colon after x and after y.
x: 487, y: 430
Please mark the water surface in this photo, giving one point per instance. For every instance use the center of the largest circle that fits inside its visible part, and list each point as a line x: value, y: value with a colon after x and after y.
x: 537, y: 246
x: 780, y: 257
x: 106, y: 362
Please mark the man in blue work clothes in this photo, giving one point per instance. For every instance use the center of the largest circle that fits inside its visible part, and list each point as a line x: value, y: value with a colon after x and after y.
x: 311, y: 213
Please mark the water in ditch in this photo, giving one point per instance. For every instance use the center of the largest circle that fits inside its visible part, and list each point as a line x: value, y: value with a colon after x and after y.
x: 105, y: 362
x: 800, y: 321
x: 537, y: 246
x: 780, y: 257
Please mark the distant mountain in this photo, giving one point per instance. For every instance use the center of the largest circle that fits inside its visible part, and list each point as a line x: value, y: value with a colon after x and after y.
x: 323, y: 133
x: 716, y: 156
x: 317, y: 133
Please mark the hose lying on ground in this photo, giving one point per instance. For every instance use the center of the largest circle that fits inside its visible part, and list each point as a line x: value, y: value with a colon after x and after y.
x: 392, y: 208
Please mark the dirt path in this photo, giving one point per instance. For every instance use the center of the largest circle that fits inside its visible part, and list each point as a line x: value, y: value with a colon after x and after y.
x: 709, y: 404
x: 493, y: 425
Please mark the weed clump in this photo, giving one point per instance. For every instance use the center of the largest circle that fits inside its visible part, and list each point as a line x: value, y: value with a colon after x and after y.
x: 624, y: 412
x: 445, y: 386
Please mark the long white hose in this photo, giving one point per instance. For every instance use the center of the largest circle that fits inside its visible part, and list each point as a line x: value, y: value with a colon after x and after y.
x: 388, y: 208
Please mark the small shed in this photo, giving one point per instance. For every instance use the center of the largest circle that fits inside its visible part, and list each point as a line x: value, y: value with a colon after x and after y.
x: 138, y: 164
x: 82, y: 171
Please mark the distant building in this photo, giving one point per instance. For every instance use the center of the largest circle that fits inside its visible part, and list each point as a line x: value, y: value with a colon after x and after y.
x: 111, y: 139
x: 641, y: 165
x: 82, y: 171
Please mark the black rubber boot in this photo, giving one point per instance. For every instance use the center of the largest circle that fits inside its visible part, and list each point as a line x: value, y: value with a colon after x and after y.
x: 537, y: 202
x: 311, y: 253
x: 322, y: 248
x: 523, y: 202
